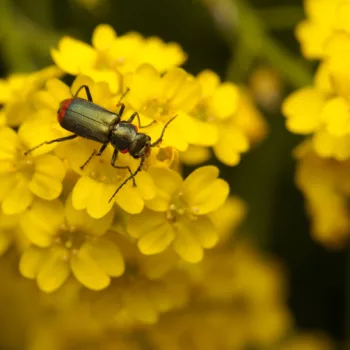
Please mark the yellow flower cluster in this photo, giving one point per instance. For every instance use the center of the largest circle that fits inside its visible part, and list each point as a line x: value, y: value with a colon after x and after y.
x: 130, y: 271
x: 322, y: 112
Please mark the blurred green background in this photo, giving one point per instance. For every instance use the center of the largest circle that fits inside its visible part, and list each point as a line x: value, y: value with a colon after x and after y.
x: 213, y: 38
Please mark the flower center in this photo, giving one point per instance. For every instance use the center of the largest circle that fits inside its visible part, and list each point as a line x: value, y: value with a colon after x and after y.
x: 25, y: 165
x: 70, y: 238
x: 105, y: 173
x: 177, y: 208
x: 201, y: 112
x: 158, y: 109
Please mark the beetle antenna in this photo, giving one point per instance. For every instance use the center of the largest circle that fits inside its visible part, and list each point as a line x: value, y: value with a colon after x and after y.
x: 123, y: 95
x: 159, y: 140
x: 139, y: 168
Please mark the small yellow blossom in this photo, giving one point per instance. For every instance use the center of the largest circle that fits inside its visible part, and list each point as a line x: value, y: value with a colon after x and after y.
x: 16, y: 94
x: 134, y: 300
x: 302, y: 110
x: 23, y: 178
x: 99, y: 180
x: 235, y: 289
x: 160, y: 98
x: 324, y: 184
x: 66, y: 240
x: 178, y: 213
x: 228, y: 217
x: 314, y: 32
x: 226, y: 119
x: 111, y: 55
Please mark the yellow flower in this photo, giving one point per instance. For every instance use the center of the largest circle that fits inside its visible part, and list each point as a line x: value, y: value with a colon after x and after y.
x: 99, y: 179
x: 337, y: 60
x: 66, y: 240
x: 133, y: 300
x: 228, y: 217
x: 308, y: 111
x: 234, y: 289
x: 111, y: 55
x: 160, y: 98
x: 22, y: 178
x: 16, y: 94
x: 324, y: 183
x: 302, y: 110
x: 314, y: 32
x: 226, y: 120
x: 178, y: 213
x: 195, y: 155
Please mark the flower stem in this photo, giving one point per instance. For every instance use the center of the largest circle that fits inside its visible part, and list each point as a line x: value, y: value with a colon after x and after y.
x: 14, y: 49
x: 239, y: 22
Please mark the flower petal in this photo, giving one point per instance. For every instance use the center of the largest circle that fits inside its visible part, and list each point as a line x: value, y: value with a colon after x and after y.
x: 54, y: 270
x: 205, y: 231
x: 167, y: 182
x: 83, y: 221
x: 129, y: 199
x: 18, y: 198
x: 140, y: 307
x: 103, y: 37
x: 199, y: 179
x: 231, y: 143
x: 186, y: 245
x: 224, y: 102
x: 87, y: 271
x: 31, y: 261
x: 210, y: 197
x: 107, y: 256
x: 302, y: 110
x: 93, y: 196
x: 73, y: 55
x: 157, y: 240
x: 145, y: 185
x: 46, y: 182
x: 145, y: 222
x: 42, y: 221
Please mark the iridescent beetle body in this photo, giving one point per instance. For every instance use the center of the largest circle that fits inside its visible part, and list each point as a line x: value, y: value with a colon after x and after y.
x: 91, y: 121
x: 83, y: 117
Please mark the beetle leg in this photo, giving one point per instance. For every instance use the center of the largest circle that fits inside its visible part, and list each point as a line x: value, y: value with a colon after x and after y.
x: 114, y: 159
x: 132, y: 176
x: 99, y: 153
x: 122, y: 105
x: 87, y: 90
x: 159, y: 140
x: 61, y: 139
x: 121, y: 111
x: 135, y: 114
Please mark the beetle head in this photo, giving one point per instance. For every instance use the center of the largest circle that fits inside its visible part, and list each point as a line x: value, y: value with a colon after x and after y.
x: 141, y: 146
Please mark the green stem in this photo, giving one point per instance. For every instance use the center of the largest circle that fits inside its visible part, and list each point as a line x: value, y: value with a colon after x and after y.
x: 14, y: 49
x: 240, y: 20
x: 38, y: 39
x: 281, y: 17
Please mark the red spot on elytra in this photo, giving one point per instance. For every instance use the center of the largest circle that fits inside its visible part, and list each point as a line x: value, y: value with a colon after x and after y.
x: 63, y: 109
x: 124, y: 150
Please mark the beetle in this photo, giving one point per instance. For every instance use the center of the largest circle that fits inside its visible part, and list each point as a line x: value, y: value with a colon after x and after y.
x: 88, y: 120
